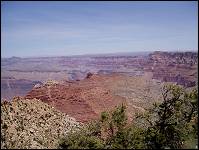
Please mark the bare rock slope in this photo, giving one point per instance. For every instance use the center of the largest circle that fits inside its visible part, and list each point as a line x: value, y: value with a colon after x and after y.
x: 33, y: 124
x: 84, y: 100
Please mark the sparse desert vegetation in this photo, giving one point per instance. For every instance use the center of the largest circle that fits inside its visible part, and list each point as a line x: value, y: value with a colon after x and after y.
x: 172, y: 123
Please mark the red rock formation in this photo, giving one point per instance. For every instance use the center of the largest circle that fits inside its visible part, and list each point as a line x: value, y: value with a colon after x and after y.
x: 83, y: 100
x: 179, y: 67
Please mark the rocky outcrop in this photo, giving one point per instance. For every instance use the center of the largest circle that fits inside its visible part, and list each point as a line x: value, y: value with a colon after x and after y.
x: 27, y: 124
x: 83, y: 100
x: 179, y: 67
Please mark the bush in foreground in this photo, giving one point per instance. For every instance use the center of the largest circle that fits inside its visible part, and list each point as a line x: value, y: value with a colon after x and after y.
x: 170, y: 124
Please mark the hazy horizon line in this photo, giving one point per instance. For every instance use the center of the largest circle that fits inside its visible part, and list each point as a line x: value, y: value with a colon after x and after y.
x: 101, y: 54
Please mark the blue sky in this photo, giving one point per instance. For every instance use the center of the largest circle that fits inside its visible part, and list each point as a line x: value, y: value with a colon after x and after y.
x: 75, y: 28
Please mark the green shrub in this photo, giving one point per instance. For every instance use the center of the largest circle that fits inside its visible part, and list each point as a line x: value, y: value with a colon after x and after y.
x: 81, y: 140
x: 172, y: 121
x: 170, y: 124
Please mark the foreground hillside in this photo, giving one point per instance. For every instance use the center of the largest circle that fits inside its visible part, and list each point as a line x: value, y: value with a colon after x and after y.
x: 33, y: 124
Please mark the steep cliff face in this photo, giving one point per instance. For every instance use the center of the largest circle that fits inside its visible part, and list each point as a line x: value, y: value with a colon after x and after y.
x: 179, y: 67
x: 189, y: 58
x: 83, y: 100
x: 28, y: 124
